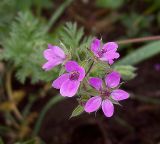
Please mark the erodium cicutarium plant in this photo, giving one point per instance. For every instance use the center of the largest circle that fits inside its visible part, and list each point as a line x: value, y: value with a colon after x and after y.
x: 78, y: 77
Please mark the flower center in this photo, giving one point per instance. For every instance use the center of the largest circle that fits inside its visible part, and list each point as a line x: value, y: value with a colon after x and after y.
x: 101, y: 52
x: 105, y: 94
x: 74, y: 75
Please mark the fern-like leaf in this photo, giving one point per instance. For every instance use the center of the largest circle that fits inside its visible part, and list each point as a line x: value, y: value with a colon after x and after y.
x: 24, y: 48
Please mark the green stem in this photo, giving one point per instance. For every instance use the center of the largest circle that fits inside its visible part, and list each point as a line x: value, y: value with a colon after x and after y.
x: 78, y: 56
x: 58, y: 13
x: 28, y: 107
x: 51, y: 103
x: 90, y: 68
x: 10, y: 94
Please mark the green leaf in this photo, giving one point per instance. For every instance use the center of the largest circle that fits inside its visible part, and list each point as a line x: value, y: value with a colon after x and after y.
x: 127, y: 72
x: 31, y: 141
x: 4, y: 129
x: 62, y: 70
x: 58, y: 13
x: 74, y: 40
x: 77, y: 111
x: 7, y: 12
x: 114, y: 102
x: 24, y: 49
x: 99, y: 69
x: 141, y: 54
x: 1, y: 141
x: 114, y: 4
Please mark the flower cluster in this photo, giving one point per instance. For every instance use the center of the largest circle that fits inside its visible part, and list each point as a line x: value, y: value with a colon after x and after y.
x: 77, y: 78
x: 106, y: 94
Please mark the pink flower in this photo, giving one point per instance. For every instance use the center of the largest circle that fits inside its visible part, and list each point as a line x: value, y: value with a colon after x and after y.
x: 54, y: 56
x: 112, y: 80
x: 157, y: 67
x: 69, y: 83
x: 106, y: 52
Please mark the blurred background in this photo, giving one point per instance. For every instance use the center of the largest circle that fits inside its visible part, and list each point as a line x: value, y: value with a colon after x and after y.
x: 30, y: 112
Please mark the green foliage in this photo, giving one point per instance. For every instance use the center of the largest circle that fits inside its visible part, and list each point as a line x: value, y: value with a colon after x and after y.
x: 7, y: 12
x: 10, y: 8
x: 113, y: 4
x: 28, y: 4
x: 74, y: 40
x: 154, y: 6
x: 1, y: 141
x: 25, y: 46
x: 31, y: 141
x: 141, y: 54
x: 99, y: 69
x: 57, y: 13
x: 127, y: 72
x: 77, y: 111
x: 27, y: 40
x: 136, y: 24
x: 4, y: 129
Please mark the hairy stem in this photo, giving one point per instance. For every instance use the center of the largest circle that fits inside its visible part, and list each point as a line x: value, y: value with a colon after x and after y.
x: 136, y: 40
x: 10, y: 95
x: 90, y: 68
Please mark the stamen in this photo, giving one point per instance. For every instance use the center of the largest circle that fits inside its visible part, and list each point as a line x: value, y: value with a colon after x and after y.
x: 105, y: 94
x: 101, y: 52
x: 74, y: 75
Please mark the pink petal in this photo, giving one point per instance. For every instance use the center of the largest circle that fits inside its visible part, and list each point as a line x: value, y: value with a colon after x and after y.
x: 69, y: 88
x: 56, y: 51
x: 107, y: 108
x: 81, y: 71
x: 60, y: 80
x: 95, y: 46
x: 71, y: 66
x: 48, y: 54
x: 96, y: 83
x: 51, y: 64
x: 116, y: 55
x: 119, y: 95
x: 110, y: 46
x: 110, y: 62
x: 110, y: 55
x: 113, y: 79
x: 93, y: 104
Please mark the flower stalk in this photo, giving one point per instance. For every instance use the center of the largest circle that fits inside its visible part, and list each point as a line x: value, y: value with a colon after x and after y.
x: 137, y: 40
x: 90, y: 68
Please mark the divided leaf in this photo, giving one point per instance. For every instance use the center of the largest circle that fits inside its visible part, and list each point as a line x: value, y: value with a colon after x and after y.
x: 24, y: 48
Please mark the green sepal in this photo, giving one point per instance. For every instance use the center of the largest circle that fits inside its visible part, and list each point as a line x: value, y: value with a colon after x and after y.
x: 114, y: 101
x: 77, y: 111
x: 62, y: 70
